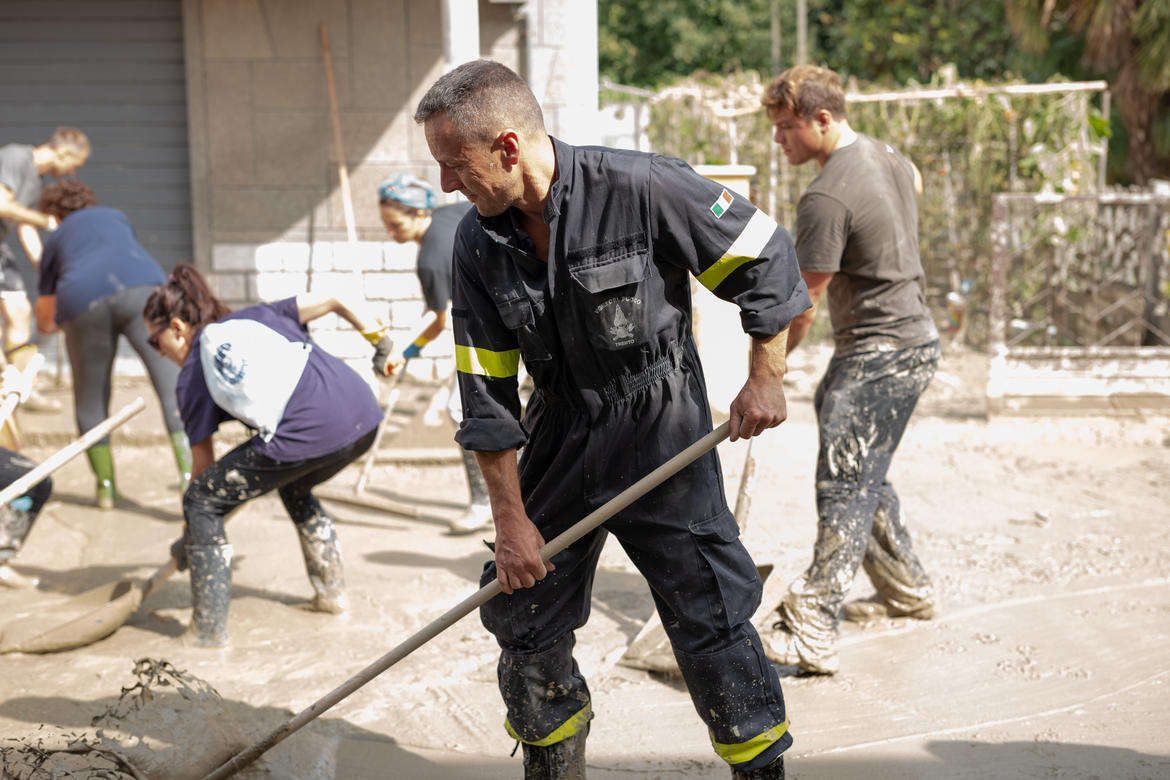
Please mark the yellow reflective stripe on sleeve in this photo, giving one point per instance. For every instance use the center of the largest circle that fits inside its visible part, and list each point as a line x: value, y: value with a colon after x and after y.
x: 562, y: 732
x: 485, y: 362
x: 742, y: 752
x: 746, y: 248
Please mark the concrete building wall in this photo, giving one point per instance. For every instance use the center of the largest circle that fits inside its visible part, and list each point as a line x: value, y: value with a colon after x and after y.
x: 268, y: 212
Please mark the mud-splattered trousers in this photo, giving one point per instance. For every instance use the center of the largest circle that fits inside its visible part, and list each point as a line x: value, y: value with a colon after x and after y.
x: 18, y: 515
x: 244, y: 474
x: 863, y: 404
x: 604, y: 330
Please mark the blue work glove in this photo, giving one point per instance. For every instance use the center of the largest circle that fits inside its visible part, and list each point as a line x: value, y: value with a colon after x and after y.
x: 411, y: 352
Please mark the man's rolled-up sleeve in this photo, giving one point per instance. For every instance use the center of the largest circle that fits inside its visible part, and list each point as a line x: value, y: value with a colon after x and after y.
x: 487, y: 360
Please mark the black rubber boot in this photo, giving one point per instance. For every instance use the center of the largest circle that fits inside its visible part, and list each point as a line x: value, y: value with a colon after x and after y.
x: 211, y: 592
x: 773, y: 771
x: 322, y: 554
x: 564, y: 760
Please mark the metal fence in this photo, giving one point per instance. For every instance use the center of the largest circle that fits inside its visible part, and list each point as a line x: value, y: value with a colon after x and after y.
x: 1079, y: 301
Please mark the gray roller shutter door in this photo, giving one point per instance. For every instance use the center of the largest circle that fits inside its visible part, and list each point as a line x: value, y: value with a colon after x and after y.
x: 114, y: 69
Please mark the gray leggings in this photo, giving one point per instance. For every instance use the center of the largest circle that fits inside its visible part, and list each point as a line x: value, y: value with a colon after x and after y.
x: 91, y: 338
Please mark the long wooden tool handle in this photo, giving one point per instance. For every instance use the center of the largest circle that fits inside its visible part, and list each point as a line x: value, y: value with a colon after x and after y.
x: 476, y: 600
x: 335, y: 117
x: 70, y: 451
x: 743, y: 498
x: 391, y: 402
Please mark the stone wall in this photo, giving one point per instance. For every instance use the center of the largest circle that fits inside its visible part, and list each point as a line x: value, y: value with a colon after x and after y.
x: 267, y: 206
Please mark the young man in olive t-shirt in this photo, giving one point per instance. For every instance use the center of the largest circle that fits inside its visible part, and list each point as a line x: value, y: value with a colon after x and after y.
x: 857, y: 238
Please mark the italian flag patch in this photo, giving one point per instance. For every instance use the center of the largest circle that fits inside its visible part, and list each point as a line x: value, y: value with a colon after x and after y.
x: 720, y: 207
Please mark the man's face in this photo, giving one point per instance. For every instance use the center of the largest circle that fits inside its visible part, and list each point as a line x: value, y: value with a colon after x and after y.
x: 471, y: 168
x: 67, y: 160
x: 800, y: 138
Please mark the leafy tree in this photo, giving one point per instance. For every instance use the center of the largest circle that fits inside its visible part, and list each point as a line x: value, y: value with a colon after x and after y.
x: 650, y: 44
x: 1128, y: 41
x: 896, y: 41
x: 878, y: 41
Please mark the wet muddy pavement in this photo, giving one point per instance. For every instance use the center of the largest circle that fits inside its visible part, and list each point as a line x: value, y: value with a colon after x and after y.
x: 1046, y: 538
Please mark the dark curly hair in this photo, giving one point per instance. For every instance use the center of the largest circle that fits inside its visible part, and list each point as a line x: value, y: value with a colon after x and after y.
x: 185, y: 295
x: 62, y: 198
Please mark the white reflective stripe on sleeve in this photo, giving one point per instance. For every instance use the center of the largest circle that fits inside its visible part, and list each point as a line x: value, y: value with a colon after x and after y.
x: 747, y: 247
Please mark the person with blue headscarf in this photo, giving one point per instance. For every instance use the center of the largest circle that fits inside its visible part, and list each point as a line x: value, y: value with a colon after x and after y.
x: 410, y: 212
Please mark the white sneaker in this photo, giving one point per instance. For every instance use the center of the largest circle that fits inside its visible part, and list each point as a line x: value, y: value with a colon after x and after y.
x: 10, y: 579
x: 477, y: 518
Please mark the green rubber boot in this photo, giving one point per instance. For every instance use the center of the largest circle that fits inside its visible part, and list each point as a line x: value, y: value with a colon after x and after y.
x: 182, y: 449
x: 101, y: 460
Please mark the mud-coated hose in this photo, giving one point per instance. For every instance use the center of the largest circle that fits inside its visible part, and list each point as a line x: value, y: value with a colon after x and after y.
x: 465, y: 607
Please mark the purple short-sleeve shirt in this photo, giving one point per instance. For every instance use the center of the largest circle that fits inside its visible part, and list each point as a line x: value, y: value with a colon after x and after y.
x: 330, y: 408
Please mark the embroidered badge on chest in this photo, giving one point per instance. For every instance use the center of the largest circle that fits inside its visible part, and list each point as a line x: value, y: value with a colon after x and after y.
x: 620, y: 320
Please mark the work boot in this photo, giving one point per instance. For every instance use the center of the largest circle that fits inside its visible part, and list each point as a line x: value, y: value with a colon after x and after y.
x: 182, y: 449
x: 101, y: 460
x: 874, y: 607
x: 773, y: 771
x: 564, y: 760
x: 211, y: 592
x: 784, y: 647
x: 322, y: 553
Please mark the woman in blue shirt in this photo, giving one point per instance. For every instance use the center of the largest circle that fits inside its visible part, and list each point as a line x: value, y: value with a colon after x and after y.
x: 94, y: 279
x: 313, y: 414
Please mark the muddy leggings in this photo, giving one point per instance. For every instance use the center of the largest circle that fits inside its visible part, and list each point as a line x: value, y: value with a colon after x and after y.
x: 244, y: 474
x: 863, y: 404
x: 16, y: 517
x: 91, y: 339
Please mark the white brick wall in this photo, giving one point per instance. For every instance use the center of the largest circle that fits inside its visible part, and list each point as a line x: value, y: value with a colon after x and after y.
x: 379, y: 273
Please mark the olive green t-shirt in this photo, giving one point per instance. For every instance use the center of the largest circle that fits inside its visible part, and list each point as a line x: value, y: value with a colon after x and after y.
x: 859, y: 220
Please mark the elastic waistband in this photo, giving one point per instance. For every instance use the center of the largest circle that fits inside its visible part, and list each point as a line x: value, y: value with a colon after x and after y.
x: 628, y: 383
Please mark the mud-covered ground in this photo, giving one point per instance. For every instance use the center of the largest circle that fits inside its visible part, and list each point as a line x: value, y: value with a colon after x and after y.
x: 1048, y: 539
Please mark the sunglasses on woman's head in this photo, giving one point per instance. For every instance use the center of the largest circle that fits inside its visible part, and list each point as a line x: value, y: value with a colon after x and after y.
x: 152, y: 340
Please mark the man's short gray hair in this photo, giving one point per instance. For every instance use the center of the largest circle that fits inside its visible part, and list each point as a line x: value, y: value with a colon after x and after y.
x: 481, y: 98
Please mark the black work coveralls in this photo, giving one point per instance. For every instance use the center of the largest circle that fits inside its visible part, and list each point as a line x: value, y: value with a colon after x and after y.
x: 605, y: 332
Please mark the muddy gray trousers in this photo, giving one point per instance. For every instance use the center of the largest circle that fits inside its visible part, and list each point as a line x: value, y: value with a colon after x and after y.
x: 863, y: 404
x: 245, y: 473
x: 17, y: 517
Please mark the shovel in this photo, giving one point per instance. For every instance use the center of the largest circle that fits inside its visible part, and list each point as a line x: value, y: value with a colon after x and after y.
x: 83, y: 619
x: 476, y: 600
x: 97, y: 613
